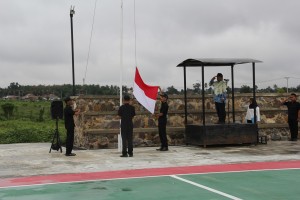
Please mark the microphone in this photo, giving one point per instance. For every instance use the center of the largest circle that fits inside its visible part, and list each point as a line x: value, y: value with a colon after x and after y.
x: 226, y: 80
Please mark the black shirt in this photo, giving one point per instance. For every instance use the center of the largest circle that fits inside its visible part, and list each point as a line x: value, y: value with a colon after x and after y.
x: 68, y: 115
x: 126, y: 112
x: 293, y: 108
x: 164, y: 110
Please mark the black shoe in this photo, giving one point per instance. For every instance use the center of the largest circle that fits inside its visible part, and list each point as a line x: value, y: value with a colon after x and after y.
x: 70, y: 154
x: 164, y: 149
x: 130, y: 155
x: 124, y: 155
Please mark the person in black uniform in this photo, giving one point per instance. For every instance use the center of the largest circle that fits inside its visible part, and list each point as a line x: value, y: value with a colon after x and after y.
x: 126, y: 112
x: 162, y: 122
x: 69, y: 125
x: 293, y: 115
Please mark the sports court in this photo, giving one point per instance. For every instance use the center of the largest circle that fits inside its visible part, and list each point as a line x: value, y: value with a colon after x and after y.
x: 261, y: 180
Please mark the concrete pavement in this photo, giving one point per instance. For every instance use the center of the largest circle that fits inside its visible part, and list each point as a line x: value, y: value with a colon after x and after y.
x: 19, y: 160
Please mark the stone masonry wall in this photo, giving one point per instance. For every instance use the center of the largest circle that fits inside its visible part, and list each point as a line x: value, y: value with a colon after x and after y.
x: 98, y: 124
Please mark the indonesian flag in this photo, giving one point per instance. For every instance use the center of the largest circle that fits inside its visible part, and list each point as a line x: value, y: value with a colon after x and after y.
x: 145, y: 94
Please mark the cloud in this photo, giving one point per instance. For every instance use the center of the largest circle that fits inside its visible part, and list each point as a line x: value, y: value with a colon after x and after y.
x: 36, y: 44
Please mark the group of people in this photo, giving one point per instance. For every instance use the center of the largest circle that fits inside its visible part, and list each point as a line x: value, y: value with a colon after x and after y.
x: 126, y: 113
x: 220, y: 88
x: 220, y: 98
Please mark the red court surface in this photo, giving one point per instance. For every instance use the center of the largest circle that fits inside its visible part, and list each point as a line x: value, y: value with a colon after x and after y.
x: 68, y: 178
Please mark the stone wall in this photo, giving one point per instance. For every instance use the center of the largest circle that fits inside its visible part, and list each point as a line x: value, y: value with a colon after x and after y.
x: 98, y: 124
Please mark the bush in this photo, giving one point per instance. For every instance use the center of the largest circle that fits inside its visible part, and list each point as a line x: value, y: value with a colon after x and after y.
x: 8, y: 109
x: 16, y: 131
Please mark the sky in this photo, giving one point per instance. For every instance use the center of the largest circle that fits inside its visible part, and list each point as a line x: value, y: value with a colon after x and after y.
x: 157, y: 35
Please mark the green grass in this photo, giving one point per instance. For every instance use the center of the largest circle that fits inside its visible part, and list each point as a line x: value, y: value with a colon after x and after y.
x: 30, y: 122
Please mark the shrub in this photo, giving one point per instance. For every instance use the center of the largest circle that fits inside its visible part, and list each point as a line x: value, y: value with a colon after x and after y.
x: 8, y: 109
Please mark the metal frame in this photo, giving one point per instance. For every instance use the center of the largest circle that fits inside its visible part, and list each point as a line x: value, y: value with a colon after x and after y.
x: 209, y: 62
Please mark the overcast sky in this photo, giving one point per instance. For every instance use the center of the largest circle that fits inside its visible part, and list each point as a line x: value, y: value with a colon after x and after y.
x: 35, y: 40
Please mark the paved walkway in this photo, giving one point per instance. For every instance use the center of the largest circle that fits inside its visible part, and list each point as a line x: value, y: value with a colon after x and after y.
x: 19, y: 160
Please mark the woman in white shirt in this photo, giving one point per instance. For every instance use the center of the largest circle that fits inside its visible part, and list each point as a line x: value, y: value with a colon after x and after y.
x: 250, y: 112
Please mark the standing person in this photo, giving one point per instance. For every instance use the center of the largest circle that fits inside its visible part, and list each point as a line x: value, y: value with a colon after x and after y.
x: 250, y: 112
x: 162, y: 121
x: 293, y: 114
x: 219, y: 96
x: 69, y: 125
x: 126, y: 112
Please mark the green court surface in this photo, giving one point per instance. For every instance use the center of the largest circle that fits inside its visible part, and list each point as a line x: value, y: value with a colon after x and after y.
x: 264, y: 185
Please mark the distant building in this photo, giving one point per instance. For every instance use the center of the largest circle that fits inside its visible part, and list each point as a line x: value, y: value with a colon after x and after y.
x: 30, y: 97
x: 10, y: 97
x: 53, y: 97
x: 50, y: 97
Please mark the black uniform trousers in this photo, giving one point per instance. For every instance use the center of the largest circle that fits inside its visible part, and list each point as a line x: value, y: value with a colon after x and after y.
x: 162, y: 131
x: 70, y: 140
x: 220, y: 107
x: 127, y: 134
x: 293, y: 125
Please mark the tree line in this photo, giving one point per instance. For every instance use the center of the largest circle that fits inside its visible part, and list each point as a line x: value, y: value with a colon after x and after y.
x: 64, y: 90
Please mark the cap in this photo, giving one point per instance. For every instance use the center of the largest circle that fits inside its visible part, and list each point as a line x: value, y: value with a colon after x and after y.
x: 126, y: 97
x: 67, y: 99
x: 220, y: 75
x: 164, y: 95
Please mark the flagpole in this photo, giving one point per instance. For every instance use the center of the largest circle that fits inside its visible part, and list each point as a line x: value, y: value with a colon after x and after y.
x: 121, y: 70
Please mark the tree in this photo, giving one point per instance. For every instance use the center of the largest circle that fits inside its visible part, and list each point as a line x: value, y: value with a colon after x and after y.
x: 8, y: 109
x: 245, y: 89
x: 196, y: 87
x: 172, y: 90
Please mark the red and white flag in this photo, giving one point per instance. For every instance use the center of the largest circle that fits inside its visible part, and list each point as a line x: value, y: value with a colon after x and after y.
x: 145, y: 94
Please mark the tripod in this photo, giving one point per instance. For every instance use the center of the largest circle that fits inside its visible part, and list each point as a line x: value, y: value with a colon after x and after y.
x: 56, y: 144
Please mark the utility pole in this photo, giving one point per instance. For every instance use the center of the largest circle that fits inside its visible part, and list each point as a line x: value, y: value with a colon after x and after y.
x: 72, y: 12
x: 287, y: 84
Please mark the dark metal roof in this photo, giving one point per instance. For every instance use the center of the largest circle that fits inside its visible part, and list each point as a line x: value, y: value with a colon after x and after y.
x: 194, y: 62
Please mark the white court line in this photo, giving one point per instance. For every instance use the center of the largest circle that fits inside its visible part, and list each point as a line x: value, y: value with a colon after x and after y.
x: 206, y: 188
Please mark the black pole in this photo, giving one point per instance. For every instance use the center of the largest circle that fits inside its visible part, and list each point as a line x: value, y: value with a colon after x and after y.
x: 254, y: 99
x: 203, y: 97
x: 185, y: 100
x: 72, y: 46
x: 232, y: 92
x: 254, y: 91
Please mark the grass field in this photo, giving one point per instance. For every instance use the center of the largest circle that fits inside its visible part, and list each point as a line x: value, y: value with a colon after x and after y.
x: 30, y: 122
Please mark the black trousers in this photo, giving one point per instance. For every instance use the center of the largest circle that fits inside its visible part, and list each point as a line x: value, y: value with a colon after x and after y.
x: 220, y: 108
x: 162, y: 131
x: 293, y: 125
x: 127, y: 140
x: 70, y: 140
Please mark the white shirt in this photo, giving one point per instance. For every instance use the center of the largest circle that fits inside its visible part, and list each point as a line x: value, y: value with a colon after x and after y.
x: 250, y: 114
x: 219, y: 87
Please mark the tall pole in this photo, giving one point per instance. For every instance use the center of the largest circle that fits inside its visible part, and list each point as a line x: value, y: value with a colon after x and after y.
x: 121, y: 71
x: 72, y: 12
x: 121, y: 53
x: 287, y: 84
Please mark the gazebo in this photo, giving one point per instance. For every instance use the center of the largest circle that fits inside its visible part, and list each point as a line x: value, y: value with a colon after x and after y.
x: 231, y: 133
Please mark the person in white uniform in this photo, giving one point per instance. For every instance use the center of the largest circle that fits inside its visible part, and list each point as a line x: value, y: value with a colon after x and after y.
x: 250, y: 112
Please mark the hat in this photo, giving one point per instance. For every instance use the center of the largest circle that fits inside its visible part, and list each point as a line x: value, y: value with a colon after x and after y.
x: 126, y: 97
x: 164, y: 95
x: 67, y: 99
x: 220, y: 75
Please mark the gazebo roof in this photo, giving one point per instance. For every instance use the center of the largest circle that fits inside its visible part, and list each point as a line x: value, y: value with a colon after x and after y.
x: 195, y: 62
